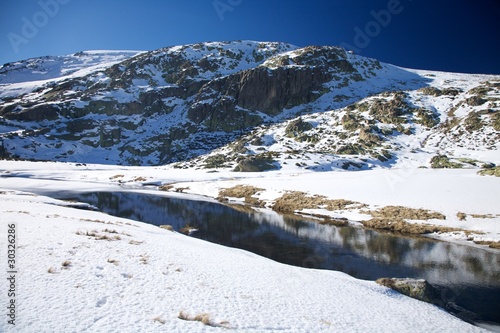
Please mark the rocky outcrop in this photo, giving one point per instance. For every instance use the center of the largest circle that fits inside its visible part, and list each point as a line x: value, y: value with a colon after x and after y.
x: 414, y: 288
x: 256, y: 164
x: 270, y: 91
x: 297, y: 127
x: 260, y: 89
x: 35, y: 113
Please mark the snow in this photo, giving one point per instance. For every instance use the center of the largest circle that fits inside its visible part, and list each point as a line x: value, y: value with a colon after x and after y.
x: 443, y: 190
x: 140, y: 277
x: 143, y: 280
x: 73, y: 65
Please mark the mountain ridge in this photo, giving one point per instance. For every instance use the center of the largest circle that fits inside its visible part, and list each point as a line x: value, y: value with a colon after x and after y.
x: 192, y: 104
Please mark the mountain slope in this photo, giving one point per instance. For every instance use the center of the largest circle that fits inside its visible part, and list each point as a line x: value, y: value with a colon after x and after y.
x: 244, y: 104
x: 412, y: 128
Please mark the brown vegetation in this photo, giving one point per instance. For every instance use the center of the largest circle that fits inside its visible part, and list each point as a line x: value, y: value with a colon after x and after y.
x: 167, y: 227
x: 187, y: 229
x: 166, y: 187
x: 66, y: 264
x: 400, y: 212
x: 203, y: 318
x: 401, y: 226
x: 95, y: 234
x: 296, y: 200
x: 392, y: 218
x: 242, y: 191
x: 494, y: 171
x: 491, y: 244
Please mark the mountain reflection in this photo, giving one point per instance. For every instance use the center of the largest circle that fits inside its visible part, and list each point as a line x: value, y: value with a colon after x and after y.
x: 472, y: 274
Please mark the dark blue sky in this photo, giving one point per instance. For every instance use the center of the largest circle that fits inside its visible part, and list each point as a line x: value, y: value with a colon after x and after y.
x: 448, y: 35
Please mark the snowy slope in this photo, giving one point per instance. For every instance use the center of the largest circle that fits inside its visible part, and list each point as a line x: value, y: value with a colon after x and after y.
x: 58, y: 68
x: 441, y: 118
x: 104, y: 274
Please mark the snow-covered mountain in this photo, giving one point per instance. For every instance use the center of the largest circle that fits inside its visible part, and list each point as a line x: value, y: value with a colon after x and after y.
x: 246, y: 105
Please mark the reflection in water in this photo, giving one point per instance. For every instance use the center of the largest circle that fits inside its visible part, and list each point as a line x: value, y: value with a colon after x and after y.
x: 469, y: 277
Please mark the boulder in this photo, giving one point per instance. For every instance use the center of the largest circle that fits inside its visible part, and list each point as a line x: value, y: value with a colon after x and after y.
x: 414, y: 288
x: 256, y: 164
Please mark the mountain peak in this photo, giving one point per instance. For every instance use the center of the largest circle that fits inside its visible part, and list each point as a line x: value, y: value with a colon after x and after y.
x: 221, y: 98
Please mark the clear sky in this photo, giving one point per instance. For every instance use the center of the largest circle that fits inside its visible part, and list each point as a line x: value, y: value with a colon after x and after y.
x: 448, y: 35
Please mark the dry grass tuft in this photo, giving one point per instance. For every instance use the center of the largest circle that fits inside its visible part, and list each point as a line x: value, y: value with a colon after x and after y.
x: 95, y: 221
x: 392, y: 218
x: 95, y: 234
x: 183, y: 315
x: 160, y: 320
x: 108, y: 238
x: 92, y: 233
x: 482, y: 216
x: 114, y: 262
x: 181, y: 189
x: 202, y: 318
x: 144, y: 259
x: 495, y: 171
x: 242, y: 191
x: 167, y: 227
x: 166, y: 187
x: 463, y: 216
x: 296, y: 200
x: 171, y: 186
x: 493, y: 245
x: 401, y: 226
x: 188, y: 229
x: 51, y: 270
x: 400, y: 212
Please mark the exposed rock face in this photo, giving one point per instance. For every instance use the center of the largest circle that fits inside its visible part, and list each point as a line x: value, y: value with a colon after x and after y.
x: 261, y: 89
x: 270, y: 88
x: 33, y: 113
x: 270, y: 91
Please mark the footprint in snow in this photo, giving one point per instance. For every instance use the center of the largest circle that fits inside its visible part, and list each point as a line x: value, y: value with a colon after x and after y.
x: 101, y: 302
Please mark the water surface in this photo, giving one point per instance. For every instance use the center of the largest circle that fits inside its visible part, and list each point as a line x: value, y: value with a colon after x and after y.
x: 468, y: 277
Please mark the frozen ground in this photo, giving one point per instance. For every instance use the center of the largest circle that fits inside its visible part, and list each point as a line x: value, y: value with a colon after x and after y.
x: 84, y: 271
x: 443, y: 190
